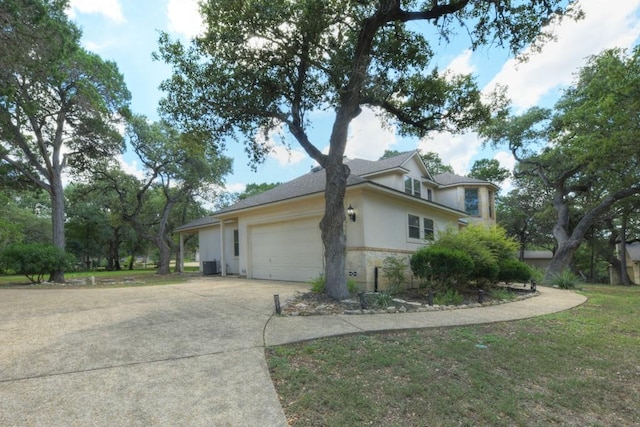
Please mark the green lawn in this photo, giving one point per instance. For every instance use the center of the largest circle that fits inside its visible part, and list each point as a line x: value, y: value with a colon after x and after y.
x: 576, y: 368
x: 136, y: 277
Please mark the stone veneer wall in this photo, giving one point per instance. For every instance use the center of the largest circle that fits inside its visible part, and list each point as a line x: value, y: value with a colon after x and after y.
x: 361, y: 264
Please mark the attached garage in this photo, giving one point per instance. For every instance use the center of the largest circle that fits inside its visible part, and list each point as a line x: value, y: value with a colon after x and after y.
x: 290, y: 250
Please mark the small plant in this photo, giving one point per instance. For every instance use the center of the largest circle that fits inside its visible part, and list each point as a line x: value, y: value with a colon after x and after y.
x: 565, y: 280
x: 393, y: 269
x: 450, y: 297
x: 382, y: 299
x: 502, y: 294
x: 317, y: 284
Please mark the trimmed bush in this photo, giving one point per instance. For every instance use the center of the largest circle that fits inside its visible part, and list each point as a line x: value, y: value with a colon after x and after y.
x: 34, y: 260
x: 442, y: 266
x: 513, y: 270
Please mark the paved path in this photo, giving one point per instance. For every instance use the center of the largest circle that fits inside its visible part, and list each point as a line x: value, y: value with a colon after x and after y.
x: 188, y: 354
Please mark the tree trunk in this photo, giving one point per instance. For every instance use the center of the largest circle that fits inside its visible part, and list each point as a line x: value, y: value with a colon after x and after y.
x: 561, y: 259
x: 333, y: 234
x: 57, y: 214
x: 623, y: 249
x: 165, y: 256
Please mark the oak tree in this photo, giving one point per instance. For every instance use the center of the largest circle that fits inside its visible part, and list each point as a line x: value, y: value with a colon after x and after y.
x: 265, y: 66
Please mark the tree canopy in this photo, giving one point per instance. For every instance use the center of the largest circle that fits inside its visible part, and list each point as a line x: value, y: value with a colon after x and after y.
x: 265, y: 66
x: 585, y: 150
x: 59, y: 104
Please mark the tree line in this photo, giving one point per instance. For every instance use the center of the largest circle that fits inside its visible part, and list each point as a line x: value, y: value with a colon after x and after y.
x: 63, y: 110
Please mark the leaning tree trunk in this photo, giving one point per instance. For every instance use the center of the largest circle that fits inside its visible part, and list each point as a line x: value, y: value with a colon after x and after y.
x: 333, y: 235
x: 165, y: 256
x: 561, y: 259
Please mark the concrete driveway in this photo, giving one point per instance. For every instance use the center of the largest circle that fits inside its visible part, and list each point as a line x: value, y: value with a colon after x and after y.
x: 187, y: 354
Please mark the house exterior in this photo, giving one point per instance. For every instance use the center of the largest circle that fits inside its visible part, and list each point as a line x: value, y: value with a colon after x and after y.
x: 398, y: 206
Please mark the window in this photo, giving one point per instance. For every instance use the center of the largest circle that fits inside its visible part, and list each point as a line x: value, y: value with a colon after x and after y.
x: 414, y: 227
x: 429, y: 194
x: 236, y: 243
x: 412, y: 186
x: 428, y: 228
x: 471, y: 202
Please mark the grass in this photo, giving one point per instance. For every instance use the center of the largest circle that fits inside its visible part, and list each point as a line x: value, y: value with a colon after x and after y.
x: 136, y: 277
x: 576, y: 368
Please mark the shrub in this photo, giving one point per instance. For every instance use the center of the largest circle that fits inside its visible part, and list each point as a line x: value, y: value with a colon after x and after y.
x: 442, y: 266
x: 393, y: 269
x: 513, y: 270
x: 483, y: 245
x: 34, y: 260
x: 565, y: 280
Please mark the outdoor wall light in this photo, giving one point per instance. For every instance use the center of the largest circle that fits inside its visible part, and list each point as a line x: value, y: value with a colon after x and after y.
x: 352, y: 213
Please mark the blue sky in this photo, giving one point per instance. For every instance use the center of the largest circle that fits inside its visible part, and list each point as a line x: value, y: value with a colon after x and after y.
x: 126, y: 31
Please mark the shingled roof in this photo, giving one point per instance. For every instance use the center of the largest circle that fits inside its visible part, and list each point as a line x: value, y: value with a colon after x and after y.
x: 315, y: 181
x: 446, y: 179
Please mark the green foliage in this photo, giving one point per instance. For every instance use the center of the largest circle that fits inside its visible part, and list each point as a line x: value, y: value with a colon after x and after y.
x: 448, y: 297
x: 565, y: 280
x: 255, y: 189
x: 393, y: 269
x: 513, y: 270
x: 34, y: 260
x: 382, y: 299
x: 489, y: 170
x: 352, y: 286
x: 317, y: 284
x: 442, y: 267
x: 485, y: 246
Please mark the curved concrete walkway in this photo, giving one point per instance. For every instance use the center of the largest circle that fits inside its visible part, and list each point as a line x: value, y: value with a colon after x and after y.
x: 188, y: 354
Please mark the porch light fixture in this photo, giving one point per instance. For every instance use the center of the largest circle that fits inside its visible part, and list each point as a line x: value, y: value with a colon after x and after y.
x: 352, y: 213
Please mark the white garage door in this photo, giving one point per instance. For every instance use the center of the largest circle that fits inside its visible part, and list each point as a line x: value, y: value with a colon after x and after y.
x: 286, y: 250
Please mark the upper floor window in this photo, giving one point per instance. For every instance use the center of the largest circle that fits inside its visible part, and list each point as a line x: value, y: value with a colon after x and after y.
x: 471, y: 201
x: 429, y: 194
x: 412, y: 186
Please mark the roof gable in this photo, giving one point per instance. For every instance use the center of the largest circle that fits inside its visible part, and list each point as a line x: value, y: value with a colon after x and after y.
x: 315, y: 181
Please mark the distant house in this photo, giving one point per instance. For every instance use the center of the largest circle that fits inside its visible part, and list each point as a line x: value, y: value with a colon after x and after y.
x: 538, y: 259
x: 397, y: 206
x: 633, y: 261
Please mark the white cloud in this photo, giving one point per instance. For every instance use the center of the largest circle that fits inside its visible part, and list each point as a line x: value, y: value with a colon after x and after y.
x: 235, y: 187
x: 506, y: 160
x: 558, y: 61
x: 131, y: 168
x: 109, y: 8
x: 368, y: 139
x: 184, y: 18
x: 455, y: 150
x: 286, y: 156
x: 461, y: 64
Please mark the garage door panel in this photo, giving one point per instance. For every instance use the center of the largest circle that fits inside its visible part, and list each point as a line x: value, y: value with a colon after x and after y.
x: 286, y: 250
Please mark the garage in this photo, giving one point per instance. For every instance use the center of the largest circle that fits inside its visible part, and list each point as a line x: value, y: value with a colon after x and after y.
x: 289, y: 251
